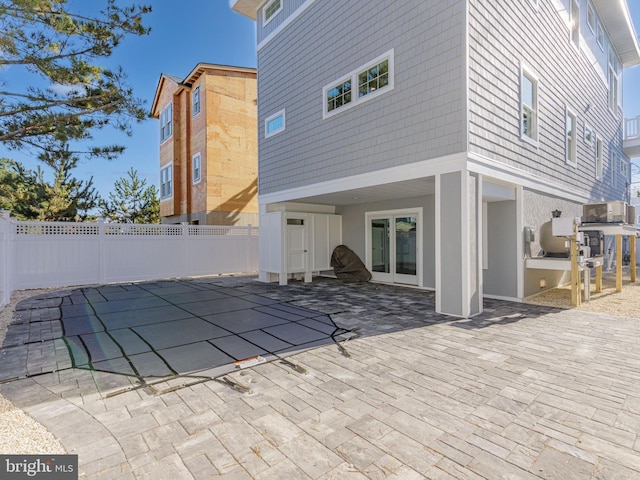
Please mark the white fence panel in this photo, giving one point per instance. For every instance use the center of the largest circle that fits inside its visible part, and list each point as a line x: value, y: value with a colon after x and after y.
x: 235, y: 250
x: 49, y: 254
x: 55, y: 254
x: 5, y: 258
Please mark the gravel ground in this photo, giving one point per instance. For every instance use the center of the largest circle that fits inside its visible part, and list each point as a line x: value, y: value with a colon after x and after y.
x: 625, y: 303
x: 19, y: 433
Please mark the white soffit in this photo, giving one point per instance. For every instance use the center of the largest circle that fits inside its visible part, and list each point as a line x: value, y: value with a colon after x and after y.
x: 248, y: 8
x: 622, y: 34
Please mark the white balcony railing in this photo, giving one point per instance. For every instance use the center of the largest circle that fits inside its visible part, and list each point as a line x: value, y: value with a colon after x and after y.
x: 632, y: 128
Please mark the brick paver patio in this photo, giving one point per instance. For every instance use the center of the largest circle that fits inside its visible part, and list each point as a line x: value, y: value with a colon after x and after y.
x: 519, y: 392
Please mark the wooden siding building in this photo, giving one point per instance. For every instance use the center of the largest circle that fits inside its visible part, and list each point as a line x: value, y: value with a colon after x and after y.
x: 208, y: 146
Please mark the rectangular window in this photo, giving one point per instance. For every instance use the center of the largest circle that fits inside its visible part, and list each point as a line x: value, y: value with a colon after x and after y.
x: 371, y: 80
x: 196, y: 168
x: 274, y: 124
x: 599, y: 147
x: 196, y: 101
x: 588, y: 135
x: 166, y: 119
x: 600, y: 34
x: 591, y: 17
x: 338, y: 95
x: 615, y: 99
x: 528, y: 106
x: 623, y: 168
x: 571, y: 137
x: 271, y: 9
x: 575, y: 23
x: 166, y: 182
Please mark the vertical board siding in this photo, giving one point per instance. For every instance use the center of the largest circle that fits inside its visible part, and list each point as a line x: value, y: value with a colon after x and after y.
x: 423, y: 117
x: 566, y: 78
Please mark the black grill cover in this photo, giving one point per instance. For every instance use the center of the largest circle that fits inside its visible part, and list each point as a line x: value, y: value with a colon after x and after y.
x: 348, y: 266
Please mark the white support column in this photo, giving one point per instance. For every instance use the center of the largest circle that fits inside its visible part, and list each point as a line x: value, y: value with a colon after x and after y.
x: 458, y: 241
x: 520, y: 242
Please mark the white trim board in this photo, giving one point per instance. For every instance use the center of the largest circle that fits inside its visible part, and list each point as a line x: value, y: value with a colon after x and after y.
x: 284, y: 24
x: 500, y: 171
x: 425, y: 168
x: 490, y: 169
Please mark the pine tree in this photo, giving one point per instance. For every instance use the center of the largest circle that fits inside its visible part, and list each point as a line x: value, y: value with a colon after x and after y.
x: 132, y: 201
x: 18, y: 190
x: 69, y: 94
x: 29, y: 196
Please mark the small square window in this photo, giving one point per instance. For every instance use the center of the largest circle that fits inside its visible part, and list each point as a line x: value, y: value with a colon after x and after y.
x: 196, y: 168
x: 274, y: 124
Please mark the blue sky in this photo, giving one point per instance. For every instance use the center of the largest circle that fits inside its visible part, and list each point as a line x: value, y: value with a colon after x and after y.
x: 204, y: 31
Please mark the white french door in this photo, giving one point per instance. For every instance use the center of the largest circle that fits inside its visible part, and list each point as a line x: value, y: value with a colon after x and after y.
x: 394, y: 246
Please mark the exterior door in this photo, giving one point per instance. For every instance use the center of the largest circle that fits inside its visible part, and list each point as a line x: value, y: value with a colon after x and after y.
x: 297, y: 245
x: 393, y: 246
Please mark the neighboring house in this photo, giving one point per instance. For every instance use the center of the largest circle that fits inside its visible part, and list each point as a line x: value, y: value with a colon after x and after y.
x: 208, y: 146
x: 435, y: 132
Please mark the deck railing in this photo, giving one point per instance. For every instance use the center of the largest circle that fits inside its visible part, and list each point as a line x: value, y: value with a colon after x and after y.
x: 56, y: 254
x: 632, y: 128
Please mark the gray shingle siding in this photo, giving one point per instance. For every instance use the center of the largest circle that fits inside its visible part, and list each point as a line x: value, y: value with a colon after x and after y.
x: 423, y: 117
x: 288, y: 8
x: 539, y: 39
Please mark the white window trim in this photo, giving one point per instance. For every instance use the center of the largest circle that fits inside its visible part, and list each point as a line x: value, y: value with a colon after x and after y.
x: 588, y: 130
x: 590, y: 8
x: 524, y: 70
x: 612, y: 67
x: 574, y: 42
x: 168, y: 106
x: 600, y: 40
x: 167, y: 197
x: 574, y: 151
x: 623, y: 162
x: 197, y: 156
x: 266, y: 20
x: 194, y: 113
x: 282, y: 114
x: 599, y: 158
x: 353, y: 76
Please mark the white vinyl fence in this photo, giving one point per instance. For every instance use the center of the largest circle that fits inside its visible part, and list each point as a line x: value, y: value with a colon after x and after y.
x: 52, y: 254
